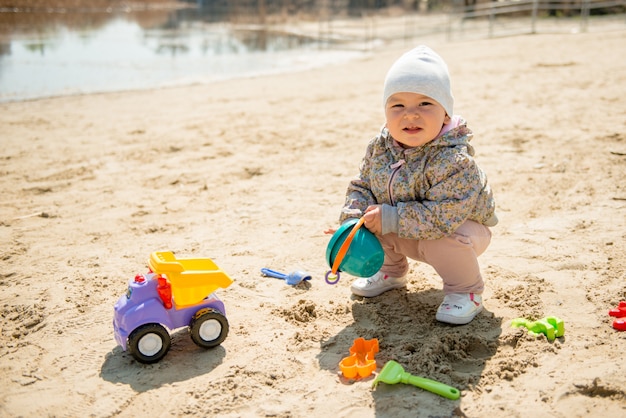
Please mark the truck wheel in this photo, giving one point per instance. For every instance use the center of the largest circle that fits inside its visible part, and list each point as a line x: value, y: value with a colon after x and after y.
x: 149, y: 343
x: 208, y: 328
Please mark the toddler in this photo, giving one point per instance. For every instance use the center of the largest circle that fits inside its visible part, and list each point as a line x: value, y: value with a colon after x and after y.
x: 421, y: 191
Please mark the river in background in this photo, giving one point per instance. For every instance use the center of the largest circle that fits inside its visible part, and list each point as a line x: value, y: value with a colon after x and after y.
x: 94, y: 46
x: 60, y: 52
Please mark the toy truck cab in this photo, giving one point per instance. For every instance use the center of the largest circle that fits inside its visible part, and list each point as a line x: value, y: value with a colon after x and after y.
x: 172, y: 294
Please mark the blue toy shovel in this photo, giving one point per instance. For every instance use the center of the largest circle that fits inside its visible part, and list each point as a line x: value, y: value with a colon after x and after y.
x: 291, y: 279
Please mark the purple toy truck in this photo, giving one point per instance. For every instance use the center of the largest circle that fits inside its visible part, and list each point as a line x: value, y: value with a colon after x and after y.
x: 173, y: 294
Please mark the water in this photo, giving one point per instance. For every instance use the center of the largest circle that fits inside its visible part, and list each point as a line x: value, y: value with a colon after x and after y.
x: 127, y: 52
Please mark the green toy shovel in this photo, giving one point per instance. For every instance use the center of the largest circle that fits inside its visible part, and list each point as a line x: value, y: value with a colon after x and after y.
x: 393, y: 373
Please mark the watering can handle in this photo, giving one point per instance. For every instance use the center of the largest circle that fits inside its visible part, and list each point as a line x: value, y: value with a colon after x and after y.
x: 433, y: 386
x: 344, y: 247
x: 334, y: 270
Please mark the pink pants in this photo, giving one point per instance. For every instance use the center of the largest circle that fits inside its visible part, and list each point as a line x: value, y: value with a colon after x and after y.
x: 454, y: 258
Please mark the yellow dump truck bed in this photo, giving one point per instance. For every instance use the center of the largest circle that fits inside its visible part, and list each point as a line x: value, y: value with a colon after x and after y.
x: 192, y: 279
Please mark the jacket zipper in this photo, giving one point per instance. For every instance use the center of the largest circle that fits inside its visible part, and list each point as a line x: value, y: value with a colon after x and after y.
x: 395, y: 167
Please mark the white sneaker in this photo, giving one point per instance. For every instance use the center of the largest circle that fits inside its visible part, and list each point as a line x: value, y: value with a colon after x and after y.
x: 459, y: 308
x: 377, y: 284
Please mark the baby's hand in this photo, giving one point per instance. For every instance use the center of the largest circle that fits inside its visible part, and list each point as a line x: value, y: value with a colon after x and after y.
x: 330, y: 231
x: 374, y: 219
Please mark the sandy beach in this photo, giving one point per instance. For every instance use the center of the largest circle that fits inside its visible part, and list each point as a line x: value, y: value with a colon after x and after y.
x: 249, y: 173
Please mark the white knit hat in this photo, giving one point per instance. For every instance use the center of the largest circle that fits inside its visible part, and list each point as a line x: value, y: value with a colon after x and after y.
x: 421, y: 71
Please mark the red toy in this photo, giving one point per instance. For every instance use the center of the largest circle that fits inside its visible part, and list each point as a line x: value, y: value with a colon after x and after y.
x: 620, y: 324
x: 620, y: 313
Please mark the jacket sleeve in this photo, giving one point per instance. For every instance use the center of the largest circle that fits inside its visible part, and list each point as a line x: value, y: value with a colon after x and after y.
x: 454, y: 182
x: 359, y: 194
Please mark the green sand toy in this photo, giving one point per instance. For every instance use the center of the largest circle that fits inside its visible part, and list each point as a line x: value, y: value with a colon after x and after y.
x: 393, y: 373
x: 551, y: 326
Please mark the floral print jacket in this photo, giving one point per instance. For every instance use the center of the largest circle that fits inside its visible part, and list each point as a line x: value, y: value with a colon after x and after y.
x: 434, y: 188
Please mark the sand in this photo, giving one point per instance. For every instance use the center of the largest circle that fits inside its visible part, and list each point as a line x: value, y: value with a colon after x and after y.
x: 250, y: 173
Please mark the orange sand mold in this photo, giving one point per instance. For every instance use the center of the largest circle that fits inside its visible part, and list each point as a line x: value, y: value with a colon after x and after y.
x: 360, y: 363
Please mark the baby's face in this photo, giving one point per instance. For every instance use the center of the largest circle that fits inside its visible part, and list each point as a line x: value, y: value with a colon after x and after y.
x: 414, y: 119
